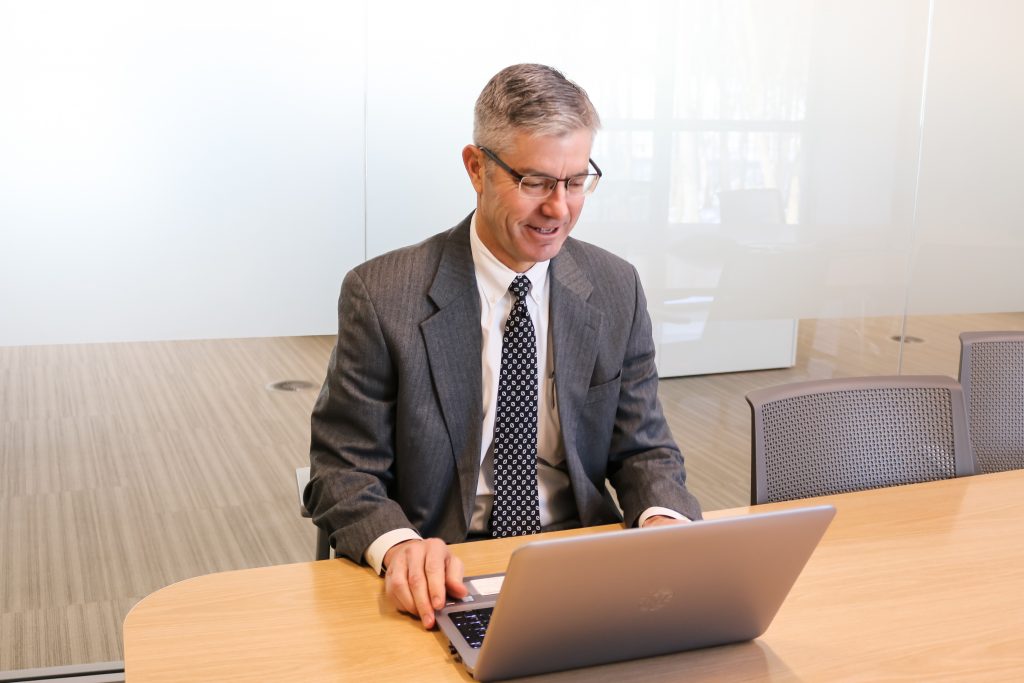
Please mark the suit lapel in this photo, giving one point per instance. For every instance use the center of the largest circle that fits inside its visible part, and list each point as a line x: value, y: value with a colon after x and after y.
x: 453, y: 341
x: 575, y: 330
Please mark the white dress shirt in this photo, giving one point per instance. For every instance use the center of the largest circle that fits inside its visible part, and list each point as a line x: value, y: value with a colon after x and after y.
x: 493, y: 279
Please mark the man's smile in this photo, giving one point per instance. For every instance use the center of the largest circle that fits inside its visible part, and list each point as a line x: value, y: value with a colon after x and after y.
x: 542, y: 230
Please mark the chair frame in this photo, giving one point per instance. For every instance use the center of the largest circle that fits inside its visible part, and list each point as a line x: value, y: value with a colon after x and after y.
x: 963, y: 455
x: 323, y: 541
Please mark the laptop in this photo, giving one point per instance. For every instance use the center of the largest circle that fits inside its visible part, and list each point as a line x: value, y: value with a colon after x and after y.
x: 587, y: 600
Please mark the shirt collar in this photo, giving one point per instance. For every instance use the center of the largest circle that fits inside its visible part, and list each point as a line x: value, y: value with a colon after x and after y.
x: 494, y: 277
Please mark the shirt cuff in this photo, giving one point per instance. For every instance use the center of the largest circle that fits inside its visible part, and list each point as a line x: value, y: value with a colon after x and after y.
x: 655, y: 511
x: 379, y: 548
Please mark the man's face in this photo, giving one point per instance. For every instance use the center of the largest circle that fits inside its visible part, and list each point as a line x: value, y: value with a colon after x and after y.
x: 518, y: 230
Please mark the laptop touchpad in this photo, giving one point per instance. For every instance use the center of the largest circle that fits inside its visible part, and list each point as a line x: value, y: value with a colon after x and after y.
x: 485, y: 585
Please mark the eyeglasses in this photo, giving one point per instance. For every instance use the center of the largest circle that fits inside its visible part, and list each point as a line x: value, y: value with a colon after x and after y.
x: 541, y: 186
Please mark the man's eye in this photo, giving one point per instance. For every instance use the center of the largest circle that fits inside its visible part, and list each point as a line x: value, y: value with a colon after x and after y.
x: 533, y: 183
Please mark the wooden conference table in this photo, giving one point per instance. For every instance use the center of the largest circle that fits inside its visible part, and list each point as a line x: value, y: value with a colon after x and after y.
x: 920, y: 582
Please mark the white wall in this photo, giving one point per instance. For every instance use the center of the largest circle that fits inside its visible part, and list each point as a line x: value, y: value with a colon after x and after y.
x: 175, y: 170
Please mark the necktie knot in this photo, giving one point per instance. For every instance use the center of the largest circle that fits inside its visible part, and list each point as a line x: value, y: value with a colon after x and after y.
x: 520, y: 287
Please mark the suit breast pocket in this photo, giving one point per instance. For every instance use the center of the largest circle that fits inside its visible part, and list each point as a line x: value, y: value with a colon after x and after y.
x: 604, y: 392
x: 594, y: 430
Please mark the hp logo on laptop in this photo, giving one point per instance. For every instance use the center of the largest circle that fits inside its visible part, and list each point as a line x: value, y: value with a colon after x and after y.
x: 656, y: 600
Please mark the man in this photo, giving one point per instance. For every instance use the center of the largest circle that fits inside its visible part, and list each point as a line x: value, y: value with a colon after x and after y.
x: 490, y: 380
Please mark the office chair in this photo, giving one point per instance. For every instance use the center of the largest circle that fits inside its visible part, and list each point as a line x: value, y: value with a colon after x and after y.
x: 323, y: 542
x: 838, y: 435
x: 992, y: 377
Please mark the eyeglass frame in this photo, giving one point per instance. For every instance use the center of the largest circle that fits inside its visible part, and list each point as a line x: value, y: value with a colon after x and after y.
x: 519, y: 177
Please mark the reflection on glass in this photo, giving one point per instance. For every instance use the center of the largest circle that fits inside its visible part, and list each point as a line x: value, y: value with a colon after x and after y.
x: 721, y: 108
x: 625, y: 195
x: 706, y: 164
x: 742, y: 61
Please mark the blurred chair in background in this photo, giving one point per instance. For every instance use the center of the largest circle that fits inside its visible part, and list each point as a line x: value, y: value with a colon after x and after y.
x: 992, y: 377
x: 837, y: 435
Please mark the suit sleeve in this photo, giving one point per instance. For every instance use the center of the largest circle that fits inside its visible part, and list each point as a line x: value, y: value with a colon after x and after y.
x: 645, y: 465
x: 352, y: 431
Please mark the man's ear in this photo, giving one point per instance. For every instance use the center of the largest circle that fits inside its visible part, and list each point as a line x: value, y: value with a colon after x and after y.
x: 473, y: 159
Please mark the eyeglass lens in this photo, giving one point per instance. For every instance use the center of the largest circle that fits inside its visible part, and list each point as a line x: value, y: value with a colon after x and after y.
x: 542, y: 186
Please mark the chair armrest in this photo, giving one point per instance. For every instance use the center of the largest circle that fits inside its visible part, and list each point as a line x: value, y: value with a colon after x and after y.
x: 301, y: 479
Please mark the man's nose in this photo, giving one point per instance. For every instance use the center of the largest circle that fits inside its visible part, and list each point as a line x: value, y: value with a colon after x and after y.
x: 556, y: 205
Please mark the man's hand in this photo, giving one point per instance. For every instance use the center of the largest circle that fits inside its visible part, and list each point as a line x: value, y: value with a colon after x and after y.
x: 419, y: 575
x: 662, y: 520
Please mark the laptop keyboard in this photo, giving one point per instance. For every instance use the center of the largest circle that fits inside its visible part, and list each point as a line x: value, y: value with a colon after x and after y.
x: 472, y: 624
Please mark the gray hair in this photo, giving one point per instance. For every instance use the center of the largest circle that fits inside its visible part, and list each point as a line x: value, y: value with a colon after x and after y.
x: 530, y: 98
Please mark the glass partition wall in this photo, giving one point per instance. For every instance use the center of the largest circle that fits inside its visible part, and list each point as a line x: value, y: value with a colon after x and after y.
x: 808, y: 189
x: 211, y: 169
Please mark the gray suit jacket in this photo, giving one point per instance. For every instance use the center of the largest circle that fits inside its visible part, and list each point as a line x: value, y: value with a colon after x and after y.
x: 396, y: 430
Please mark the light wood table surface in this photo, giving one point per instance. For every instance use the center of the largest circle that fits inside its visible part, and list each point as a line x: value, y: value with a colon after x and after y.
x: 921, y: 582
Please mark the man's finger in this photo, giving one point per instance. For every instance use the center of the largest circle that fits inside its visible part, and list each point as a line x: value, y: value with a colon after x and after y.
x: 453, y: 578
x: 417, y: 578
x: 396, y: 582
x: 435, y: 566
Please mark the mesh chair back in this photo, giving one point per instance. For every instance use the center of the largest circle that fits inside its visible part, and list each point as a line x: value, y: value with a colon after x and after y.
x: 992, y: 375
x: 839, y: 435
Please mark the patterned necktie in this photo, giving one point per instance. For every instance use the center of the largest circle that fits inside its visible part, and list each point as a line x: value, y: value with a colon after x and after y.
x: 516, y: 507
